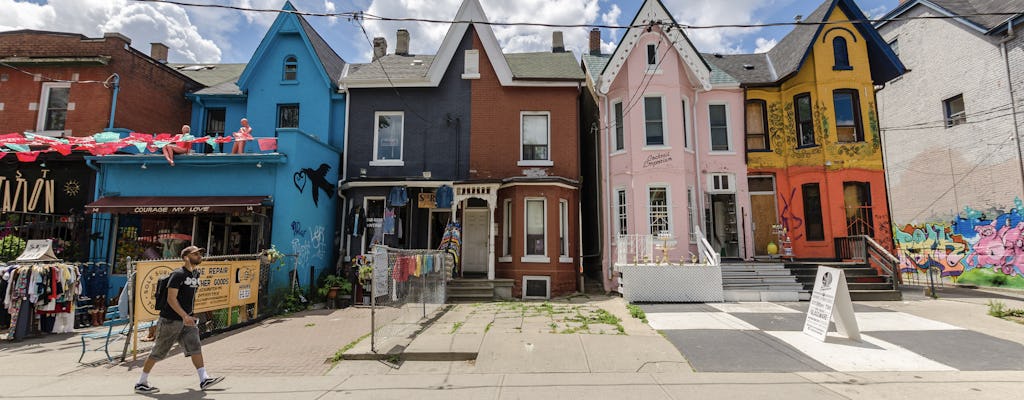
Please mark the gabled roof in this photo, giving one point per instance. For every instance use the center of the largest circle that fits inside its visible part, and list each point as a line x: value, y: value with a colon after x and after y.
x: 981, y: 23
x: 219, y: 79
x: 788, y: 56
x: 330, y: 64
x: 523, y: 69
x: 654, y: 12
x: 595, y: 63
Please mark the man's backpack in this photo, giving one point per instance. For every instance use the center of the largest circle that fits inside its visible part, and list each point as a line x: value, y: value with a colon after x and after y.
x: 161, y: 292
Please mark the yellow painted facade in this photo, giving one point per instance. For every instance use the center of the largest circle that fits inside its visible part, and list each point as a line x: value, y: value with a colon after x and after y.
x: 817, y: 77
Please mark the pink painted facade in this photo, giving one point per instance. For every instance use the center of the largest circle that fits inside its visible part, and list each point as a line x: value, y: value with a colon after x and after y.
x: 670, y: 183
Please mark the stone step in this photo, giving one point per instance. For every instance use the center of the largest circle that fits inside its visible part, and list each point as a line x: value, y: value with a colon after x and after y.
x: 869, y: 286
x: 464, y: 292
x: 876, y: 295
x: 763, y: 295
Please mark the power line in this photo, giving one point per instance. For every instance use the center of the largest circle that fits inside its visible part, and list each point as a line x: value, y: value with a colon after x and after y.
x: 47, y: 78
x: 363, y: 15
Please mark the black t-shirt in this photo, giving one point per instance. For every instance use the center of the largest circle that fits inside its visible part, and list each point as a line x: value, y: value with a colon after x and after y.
x: 186, y: 283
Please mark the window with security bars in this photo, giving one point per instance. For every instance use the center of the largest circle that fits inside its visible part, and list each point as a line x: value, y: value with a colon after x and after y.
x: 620, y: 206
x: 658, y: 210
x: 288, y: 116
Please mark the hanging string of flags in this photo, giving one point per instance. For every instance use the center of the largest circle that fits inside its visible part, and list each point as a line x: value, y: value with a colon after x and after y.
x: 28, y: 146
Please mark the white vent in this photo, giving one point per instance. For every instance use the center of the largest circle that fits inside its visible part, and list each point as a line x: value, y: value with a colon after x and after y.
x: 472, y: 65
x: 536, y: 287
x: 721, y: 183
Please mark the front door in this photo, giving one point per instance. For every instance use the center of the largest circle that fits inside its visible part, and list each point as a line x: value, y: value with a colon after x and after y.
x: 763, y: 213
x: 474, y: 240
x: 860, y: 218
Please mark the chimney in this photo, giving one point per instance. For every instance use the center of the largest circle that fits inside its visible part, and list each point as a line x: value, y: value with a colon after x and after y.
x: 557, y: 45
x: 380, y: 48
x: 402, y: 48
x: 158, y: 51
x: 595, y: 42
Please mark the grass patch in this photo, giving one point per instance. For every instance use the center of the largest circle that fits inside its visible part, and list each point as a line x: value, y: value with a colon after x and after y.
x: 337, y: 355
x: 455, y: 327
x: 991, y: 278
x: 488, y: 327
x: 998, y: 309
x: 636, y: 312
x: 311, y: 324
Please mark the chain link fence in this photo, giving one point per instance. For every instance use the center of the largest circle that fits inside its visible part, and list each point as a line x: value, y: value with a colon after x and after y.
x: 407, y: 286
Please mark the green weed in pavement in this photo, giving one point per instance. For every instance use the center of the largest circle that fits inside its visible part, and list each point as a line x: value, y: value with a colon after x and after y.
x: 337, y: 355
x: 636, y: 312
x: 455, y: 327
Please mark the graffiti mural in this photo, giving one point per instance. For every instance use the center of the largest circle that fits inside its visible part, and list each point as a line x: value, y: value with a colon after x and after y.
x: 789, y: 220
x: 316, y: 177
x: 308, y: 244
x: 986, y: 247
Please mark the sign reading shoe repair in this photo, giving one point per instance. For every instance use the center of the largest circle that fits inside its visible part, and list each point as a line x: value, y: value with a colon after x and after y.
x: 222, y: 284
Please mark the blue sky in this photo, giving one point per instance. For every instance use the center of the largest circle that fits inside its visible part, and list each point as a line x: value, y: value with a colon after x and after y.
x: 228, y: 36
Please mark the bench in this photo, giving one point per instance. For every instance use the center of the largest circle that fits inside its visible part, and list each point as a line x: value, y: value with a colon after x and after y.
x: 113, y: 319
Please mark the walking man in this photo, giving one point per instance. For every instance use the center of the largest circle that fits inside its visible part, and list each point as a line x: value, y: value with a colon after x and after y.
x: 177, y: 323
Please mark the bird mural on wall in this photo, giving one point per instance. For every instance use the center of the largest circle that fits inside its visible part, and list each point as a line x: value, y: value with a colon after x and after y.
x: 318, y: 178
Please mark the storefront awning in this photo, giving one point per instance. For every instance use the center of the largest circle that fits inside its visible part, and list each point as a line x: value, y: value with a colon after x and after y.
x: 175, y: 205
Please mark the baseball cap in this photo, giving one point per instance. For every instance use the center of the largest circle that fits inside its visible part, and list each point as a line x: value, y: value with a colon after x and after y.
x: 191, y: 249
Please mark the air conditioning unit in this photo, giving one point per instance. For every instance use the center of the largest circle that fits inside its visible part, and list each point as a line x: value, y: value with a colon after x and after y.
x: 536, y: 287
x: 721, y: 183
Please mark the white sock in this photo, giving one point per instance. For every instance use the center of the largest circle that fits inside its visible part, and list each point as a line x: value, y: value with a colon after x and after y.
x: 144, y: 378
x: 202, y: 374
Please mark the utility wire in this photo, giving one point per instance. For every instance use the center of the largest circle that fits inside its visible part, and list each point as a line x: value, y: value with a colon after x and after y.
x: 47, y: 78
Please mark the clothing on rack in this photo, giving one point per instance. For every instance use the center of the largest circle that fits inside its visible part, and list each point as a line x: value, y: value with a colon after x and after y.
x: 45, y: 288
x: 443, y: 197
x: 355, y: 222
x: 389, y: 221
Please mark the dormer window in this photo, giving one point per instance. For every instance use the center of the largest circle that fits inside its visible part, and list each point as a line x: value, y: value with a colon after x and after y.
x: 291, y: 68
x: 842, y: 56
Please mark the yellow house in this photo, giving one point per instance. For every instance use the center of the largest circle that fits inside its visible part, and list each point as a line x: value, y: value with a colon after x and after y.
x: 814, y: 158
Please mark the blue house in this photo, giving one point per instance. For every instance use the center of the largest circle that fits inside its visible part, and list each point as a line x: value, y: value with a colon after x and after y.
x: 283, y: 196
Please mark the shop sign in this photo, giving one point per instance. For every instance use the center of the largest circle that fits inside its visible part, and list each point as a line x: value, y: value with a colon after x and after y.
x: 830, y: 301
x: 427, y: 200
x: 42, y: 190
x: 222, y: 284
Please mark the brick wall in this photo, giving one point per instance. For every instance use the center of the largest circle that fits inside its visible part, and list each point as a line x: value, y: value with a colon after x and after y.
x: 946, y: 58
x: 151, y: 96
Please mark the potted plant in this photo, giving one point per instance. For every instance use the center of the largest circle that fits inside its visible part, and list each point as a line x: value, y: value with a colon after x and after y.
x: 334, y: 285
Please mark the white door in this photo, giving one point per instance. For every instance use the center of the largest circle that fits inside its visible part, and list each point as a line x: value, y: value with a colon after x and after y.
x: 474, y: 240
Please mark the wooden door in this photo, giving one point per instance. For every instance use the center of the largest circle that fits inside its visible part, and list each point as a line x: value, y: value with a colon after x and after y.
x: 763, y: 214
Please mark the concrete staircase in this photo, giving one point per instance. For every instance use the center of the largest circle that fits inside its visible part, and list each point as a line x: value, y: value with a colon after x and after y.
x: 467, y: 290
x: 865, y: 283
x: 761, y: 282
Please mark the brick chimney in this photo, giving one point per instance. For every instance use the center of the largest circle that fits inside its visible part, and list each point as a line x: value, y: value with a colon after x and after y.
x: 595, y: 42
x: 557, y: 44
x: 402, y: 48
x: 158, y: 51
x: 380, y: 48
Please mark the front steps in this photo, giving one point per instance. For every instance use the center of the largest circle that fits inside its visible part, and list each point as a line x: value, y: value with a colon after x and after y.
x: 761, y: 282
x: 864, y: 282
x: 467, y: 290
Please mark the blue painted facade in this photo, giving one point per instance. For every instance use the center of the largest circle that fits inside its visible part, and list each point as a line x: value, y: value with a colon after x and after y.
x: 305, y: 166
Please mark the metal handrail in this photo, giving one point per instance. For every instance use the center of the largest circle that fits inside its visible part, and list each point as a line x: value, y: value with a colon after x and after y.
x: 706, y: 251
x: 883, y: 258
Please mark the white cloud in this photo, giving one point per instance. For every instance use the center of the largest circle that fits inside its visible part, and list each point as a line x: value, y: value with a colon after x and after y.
x: 763, y: 45
x: 612, y: 16
x: 715, y: 12
x: 142, y: 22
x: 329, y: 8
x: 427, y: 37
x: 877, y: 12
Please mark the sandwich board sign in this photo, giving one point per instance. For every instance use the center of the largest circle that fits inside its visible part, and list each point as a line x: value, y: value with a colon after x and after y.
x: 38, y: 250
x: 831, y: 302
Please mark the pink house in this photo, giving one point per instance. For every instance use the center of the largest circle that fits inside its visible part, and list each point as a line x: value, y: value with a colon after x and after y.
x: 670, y: 153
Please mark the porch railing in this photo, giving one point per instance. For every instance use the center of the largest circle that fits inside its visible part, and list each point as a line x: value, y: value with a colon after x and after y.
x: 865, y: 249
x: 707, y: 254
x: 644, y: 249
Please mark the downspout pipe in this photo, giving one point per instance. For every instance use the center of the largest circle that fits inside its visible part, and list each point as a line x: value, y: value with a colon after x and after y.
x: 113, y: 102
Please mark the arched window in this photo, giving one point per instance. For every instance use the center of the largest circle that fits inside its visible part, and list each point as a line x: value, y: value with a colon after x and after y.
x: 291, y: 68
x: 842, y: 57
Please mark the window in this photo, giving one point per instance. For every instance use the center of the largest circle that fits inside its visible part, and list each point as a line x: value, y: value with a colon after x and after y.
x: 291, y: 68
x: 814, y: 226
x: 535, y: 229
x: 288, y: 116
x: 847, y: 106
x: 804, y: 120
x: 620, y: 138
x: 691, y: 214
x: 53, y: 106
x: 507, y: 230
x: 658, y: 210
x: 956, y: 114
x: 757, y: 126
x: 620, y: 209
x: 654, y: 129
x: 842, y: 57
x: 563, y: 228
x: 388, y: 137
x: 895, y: 46
x: 535, y: 136
x: 652, y: 55
x: 719, y: 118
x: 215, y: 118
x: 686, y: 128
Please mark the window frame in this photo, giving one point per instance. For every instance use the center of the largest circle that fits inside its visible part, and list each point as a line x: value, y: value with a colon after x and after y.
x: 858, y: 123
x: 840, y: 54
x: 810, y: 119
x: 506, y: 232
x: 622, y: 211
x: 764, y: 125
x: 953, y: 119
x: 668, y: 208
x: 563, y: 231
x: 894, y: 45
x: 523, y: 162
x: 711, y: 129
x: 298, y: 115
x: 664, y: 138
x: 618, y: 127
x: 43, y: 108
x: 687, y: 131
x: 534, y: 258
x: 808, y: 211
x: 376, y: 140
x: 652, y: 56
x: 207, y: 120
x: 293, y: 62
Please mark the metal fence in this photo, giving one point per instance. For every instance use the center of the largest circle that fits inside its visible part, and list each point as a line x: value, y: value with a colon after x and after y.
x: 407, y: 286
x: 70, y: 233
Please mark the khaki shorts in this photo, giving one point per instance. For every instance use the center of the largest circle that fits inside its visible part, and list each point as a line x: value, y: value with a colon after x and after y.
x: 169, y: 331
